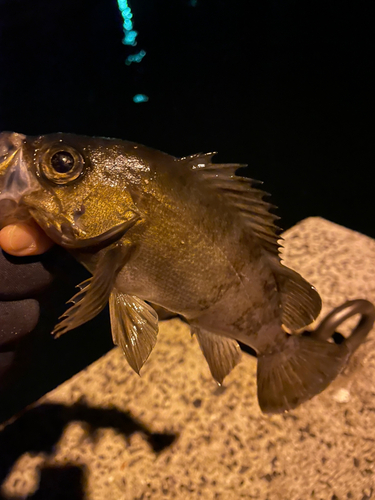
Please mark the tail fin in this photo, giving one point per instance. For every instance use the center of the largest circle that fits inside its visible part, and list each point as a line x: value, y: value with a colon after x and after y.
x: 302, y: 368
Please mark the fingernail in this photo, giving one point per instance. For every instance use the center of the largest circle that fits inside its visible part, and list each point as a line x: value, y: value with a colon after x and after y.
x: 20, y: 240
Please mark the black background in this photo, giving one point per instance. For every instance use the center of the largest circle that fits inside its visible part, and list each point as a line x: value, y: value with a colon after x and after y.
x: 284, y: 86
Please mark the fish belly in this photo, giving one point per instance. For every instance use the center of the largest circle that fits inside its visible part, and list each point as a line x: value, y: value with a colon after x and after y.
x: 177, y: 285
x: 224, y: 284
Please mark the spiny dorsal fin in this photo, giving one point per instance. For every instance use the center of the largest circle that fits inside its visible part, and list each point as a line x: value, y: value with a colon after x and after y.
x: 241, y: 196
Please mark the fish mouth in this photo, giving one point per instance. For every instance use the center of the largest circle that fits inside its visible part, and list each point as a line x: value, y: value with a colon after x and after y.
x: 9, y: 143
x: 11, y: 213
x: 16, y: 180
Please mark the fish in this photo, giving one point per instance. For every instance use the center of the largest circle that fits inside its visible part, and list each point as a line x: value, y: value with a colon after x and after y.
x: 185, y: 234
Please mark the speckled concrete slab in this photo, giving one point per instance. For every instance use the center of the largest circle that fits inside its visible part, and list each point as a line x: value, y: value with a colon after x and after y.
x: 173, y: 434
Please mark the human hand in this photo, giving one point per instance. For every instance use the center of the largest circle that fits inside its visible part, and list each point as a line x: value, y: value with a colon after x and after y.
x: 19, y: 313
x: 23, y: 239
x: 33, y: 292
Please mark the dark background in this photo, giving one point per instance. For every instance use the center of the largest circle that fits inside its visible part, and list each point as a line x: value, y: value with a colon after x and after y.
x: 284, y: 86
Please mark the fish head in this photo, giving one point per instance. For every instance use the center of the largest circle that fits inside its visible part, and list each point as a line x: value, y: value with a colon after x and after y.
x: 78, y: 189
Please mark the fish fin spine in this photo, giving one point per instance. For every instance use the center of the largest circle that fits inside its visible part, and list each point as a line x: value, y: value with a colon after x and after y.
x: 242, y: 198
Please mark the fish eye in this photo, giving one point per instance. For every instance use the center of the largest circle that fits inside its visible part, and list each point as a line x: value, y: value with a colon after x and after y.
x: 61, y: 164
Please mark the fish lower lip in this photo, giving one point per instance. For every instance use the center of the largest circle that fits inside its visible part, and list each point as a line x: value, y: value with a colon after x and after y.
x: 11, y: 211
x: 67, y: 239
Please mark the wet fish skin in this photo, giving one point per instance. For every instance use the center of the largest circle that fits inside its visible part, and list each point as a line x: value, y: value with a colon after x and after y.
x: 182, y: 233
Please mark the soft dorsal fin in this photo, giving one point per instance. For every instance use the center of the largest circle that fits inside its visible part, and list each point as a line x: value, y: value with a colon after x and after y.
x: 241, y: 196
x: 300, y: 302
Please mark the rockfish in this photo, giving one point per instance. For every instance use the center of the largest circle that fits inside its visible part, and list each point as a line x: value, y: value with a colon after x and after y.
x: 184, y: 234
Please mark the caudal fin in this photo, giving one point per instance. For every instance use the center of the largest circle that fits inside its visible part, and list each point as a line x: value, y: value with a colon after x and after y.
x: 302, y: 368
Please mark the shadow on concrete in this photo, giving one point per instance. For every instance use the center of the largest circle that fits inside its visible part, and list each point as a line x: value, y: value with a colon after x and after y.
x: 39, y: 429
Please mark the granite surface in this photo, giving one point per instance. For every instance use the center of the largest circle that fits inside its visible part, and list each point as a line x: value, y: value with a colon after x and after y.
x: 172, y: 433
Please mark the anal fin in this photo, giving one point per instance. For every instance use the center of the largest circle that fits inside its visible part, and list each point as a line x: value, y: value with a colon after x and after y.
x: 134, y: 327
x: 222, y: 354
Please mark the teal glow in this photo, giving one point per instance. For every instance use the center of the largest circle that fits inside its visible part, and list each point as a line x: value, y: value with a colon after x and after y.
x: 130, y: 38
x: 137, y: 58
x: 130, y: 35
x: 140, y: 98
x: 128, y: 25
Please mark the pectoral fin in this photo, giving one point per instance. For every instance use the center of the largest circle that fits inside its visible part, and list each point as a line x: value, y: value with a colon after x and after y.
x: 134, y: 327
x: 94, y: 292
x: 222, y: 354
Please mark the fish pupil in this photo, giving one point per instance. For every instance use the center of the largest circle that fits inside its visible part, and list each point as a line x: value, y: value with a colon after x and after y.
x: 62, y: 162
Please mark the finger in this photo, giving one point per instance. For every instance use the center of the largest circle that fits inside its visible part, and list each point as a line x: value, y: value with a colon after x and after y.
x: 23, y: 239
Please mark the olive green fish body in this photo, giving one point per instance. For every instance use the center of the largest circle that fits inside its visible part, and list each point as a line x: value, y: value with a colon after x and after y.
x: 185, y: 234
x: 229, y: 266
x: 161, y: 269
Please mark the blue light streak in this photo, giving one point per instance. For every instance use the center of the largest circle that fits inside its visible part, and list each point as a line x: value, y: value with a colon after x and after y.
x: 130, y: 35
